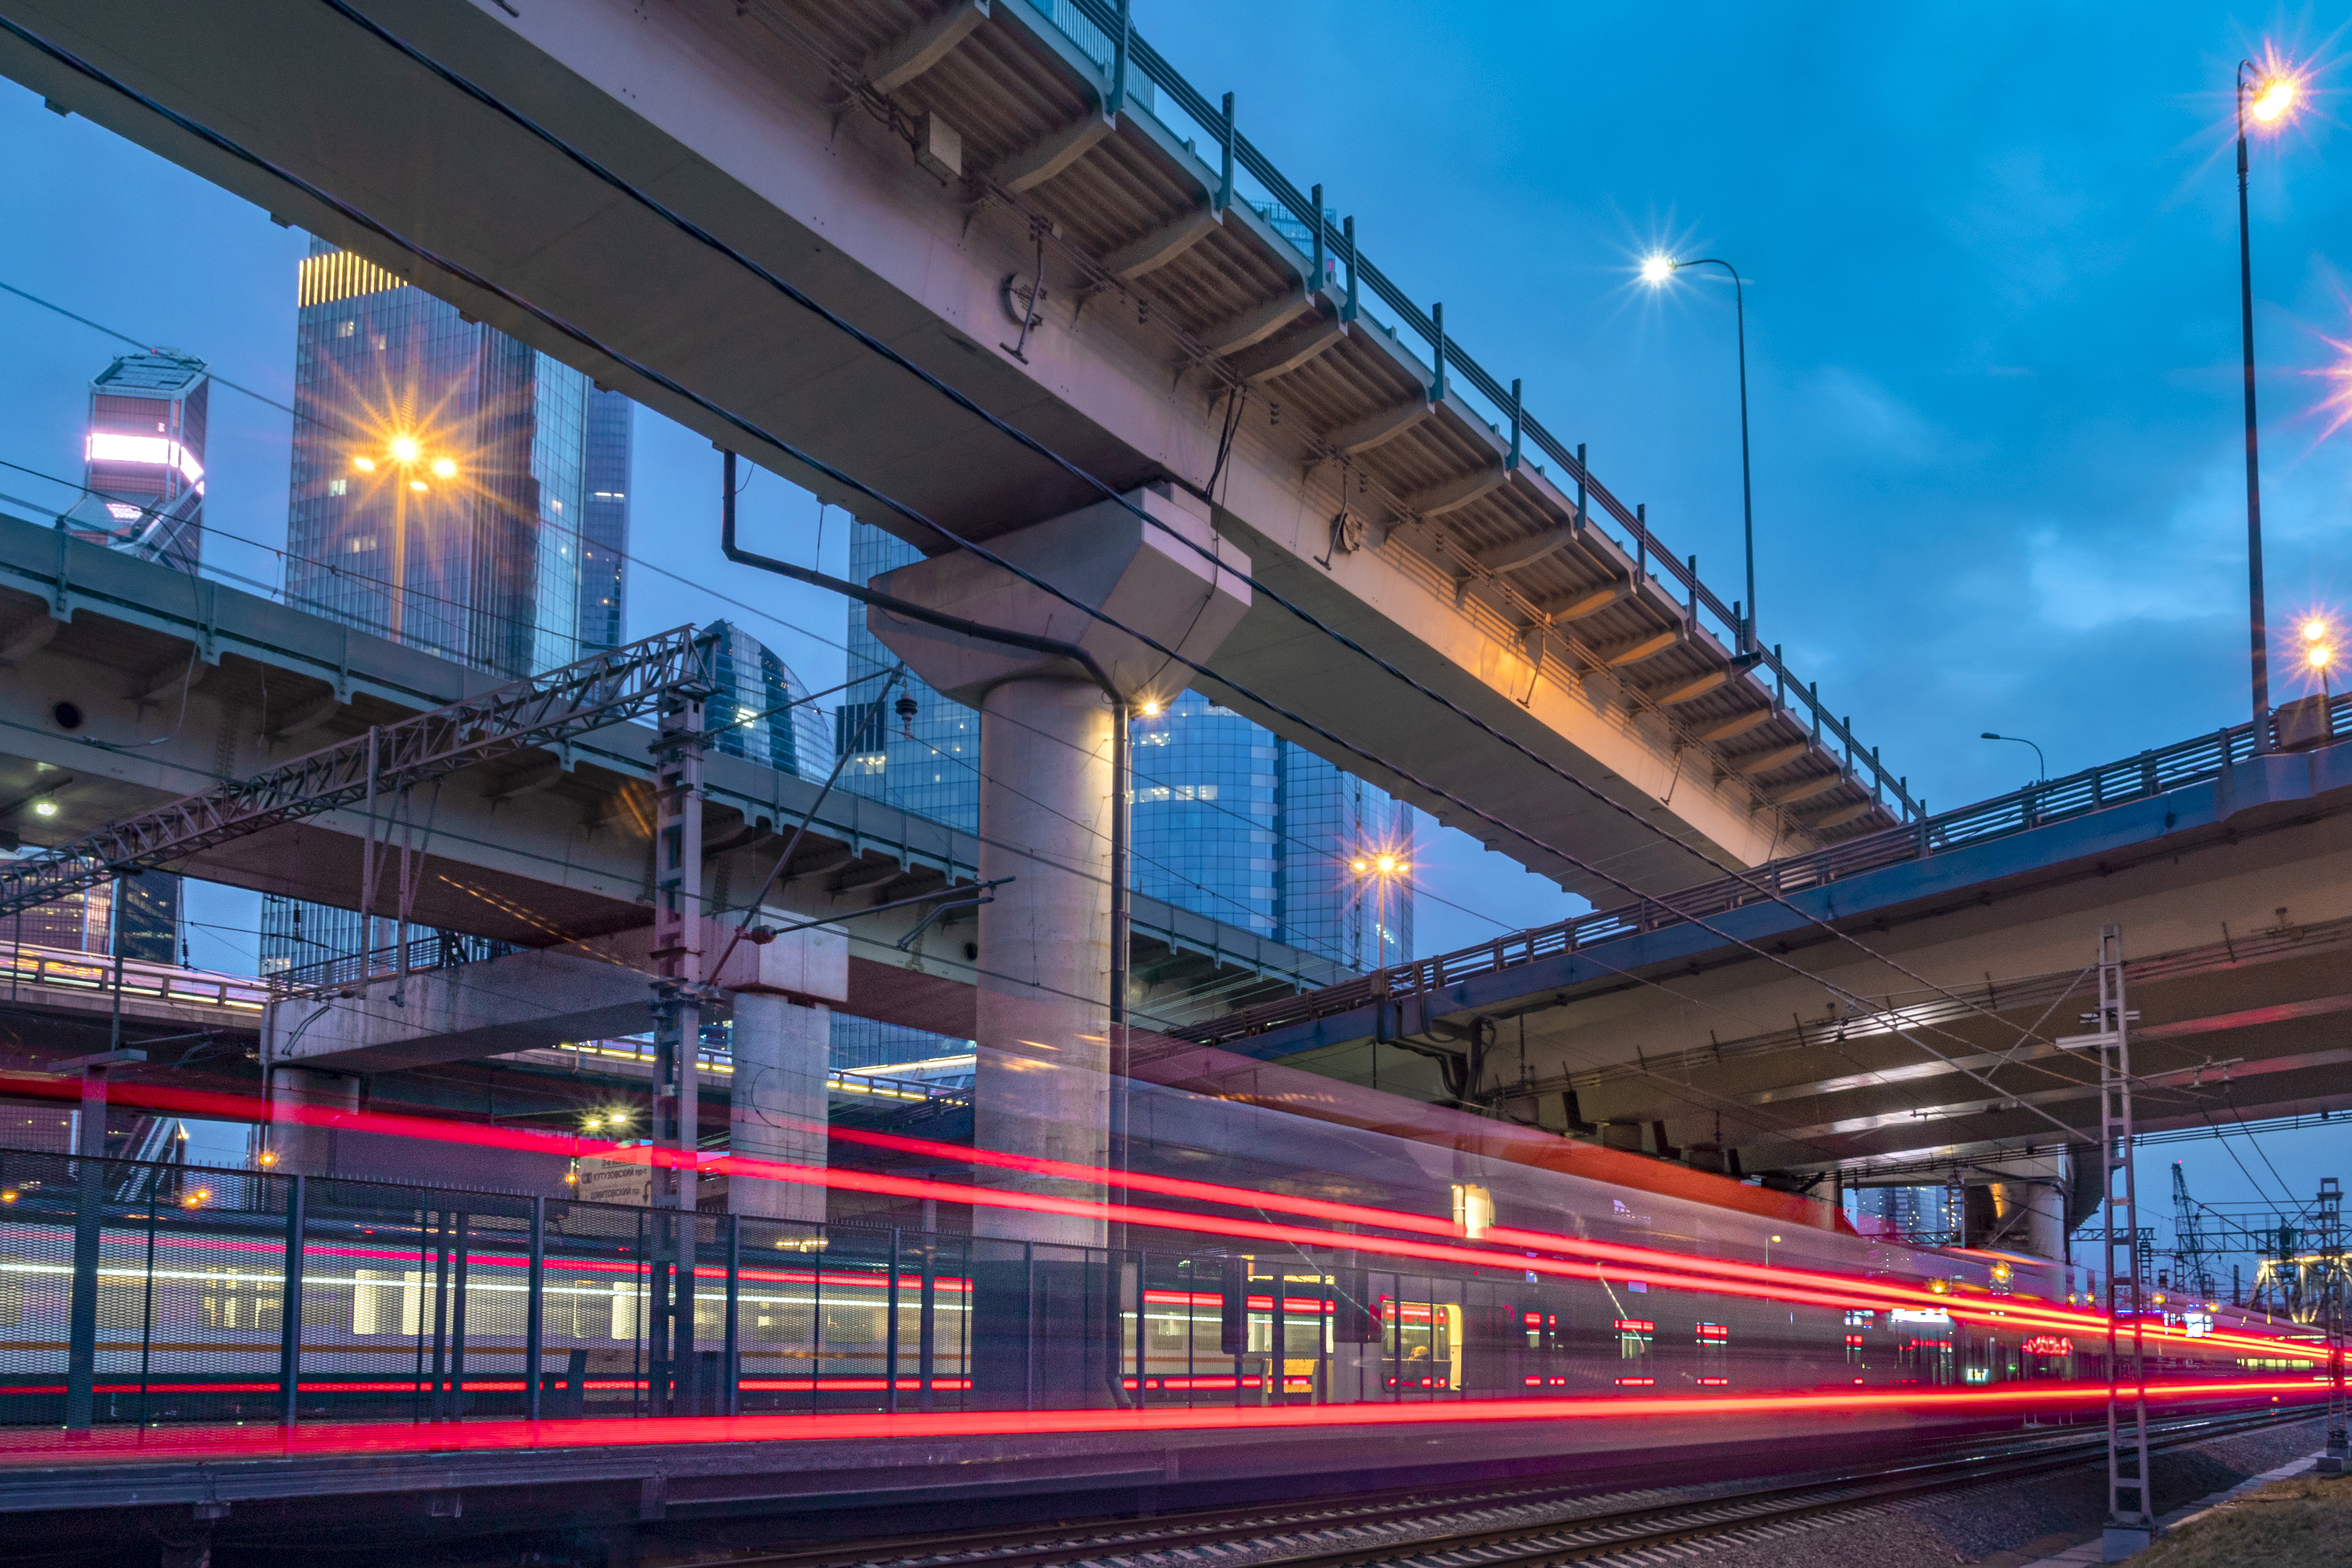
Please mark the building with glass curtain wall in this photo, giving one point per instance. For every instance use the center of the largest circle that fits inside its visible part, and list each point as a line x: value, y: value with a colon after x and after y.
x: 761, y: 710
x: 452, y: 489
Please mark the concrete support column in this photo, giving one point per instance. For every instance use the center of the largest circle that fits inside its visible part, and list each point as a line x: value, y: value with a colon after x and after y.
x: 300, y: 1149
x: 1043, y: 1012
x: 777, y: 1103
x: 2029, y: 1210
x: 1043, y: 1085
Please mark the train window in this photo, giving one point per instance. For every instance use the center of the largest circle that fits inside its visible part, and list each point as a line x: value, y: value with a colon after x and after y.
x: 12, y: 1290
x: 1633, y: 1337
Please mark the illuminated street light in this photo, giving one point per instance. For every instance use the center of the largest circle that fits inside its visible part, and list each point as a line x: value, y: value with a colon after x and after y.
x: 1151, y: 708
x: 1655, y: 270
x: 45, y: 809
x: 2274, y: 94
x: 2319, y: 655
x: 417, y: 484
x: 2276, y: 97
x: 364, y: 465
x: 404, y: 449
x: 443, y: 468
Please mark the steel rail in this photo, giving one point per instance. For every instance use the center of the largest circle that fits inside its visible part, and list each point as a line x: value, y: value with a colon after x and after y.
x: 1115, y: 1539
x: 606, y: 688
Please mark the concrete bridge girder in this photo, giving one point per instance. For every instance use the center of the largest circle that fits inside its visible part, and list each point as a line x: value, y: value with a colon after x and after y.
x: 2234, y: 899
x: 565, y: 862
x: 736, y: 128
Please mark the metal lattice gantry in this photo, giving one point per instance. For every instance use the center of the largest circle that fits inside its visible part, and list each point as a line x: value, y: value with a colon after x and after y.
x: 2130, y: 1526
x: 611, y: 688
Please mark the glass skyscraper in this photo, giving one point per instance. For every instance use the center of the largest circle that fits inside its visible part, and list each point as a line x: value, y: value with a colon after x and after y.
x: 1228, y: 820
x: 452, y: 489
x: 762, y: 711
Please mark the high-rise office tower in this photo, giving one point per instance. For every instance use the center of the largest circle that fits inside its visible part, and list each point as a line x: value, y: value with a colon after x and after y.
x: 440, y: 482
x: 761, y: 710
x: 143, y: 459
x: 454, y: 490
x: 1228, y: 820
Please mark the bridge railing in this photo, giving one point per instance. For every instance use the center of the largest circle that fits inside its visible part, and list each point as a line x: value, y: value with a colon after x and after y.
x: 1094, y: 26
x: 24, y: 964
x: 2141, y: 777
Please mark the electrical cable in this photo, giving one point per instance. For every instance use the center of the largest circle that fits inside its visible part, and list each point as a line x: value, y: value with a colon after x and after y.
x: 453, y: 268
x: 710, y: 241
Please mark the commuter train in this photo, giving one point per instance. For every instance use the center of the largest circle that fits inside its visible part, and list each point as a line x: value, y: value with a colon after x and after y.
x: 418, y: 1304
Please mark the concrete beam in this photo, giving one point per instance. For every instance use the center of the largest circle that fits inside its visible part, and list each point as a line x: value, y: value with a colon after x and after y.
x: 1778, y: 757
x: 1163, y: 245
x: 1738, y: 724
x: 1282, y: 356
x: 1805, y: 789
x: 1455, y: 494
x: 1527, y: 551
x: 1841, y: 816
x: 1254, y: 327
x: 1055, y: 151
x: 1690, y: 690
x: 922, y: 45
x: 1645, y: 648
x: 1591, y: 604
x: 1376, y: 429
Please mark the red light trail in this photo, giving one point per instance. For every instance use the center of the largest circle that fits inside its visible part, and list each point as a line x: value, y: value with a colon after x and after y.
x: 110, y: 1446
x: 1607, y: 1260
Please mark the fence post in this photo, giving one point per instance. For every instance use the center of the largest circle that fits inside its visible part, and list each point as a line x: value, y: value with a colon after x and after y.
x: 534, y: 1333
x: 891, y: 1332
x: 926, y: 1323
x: 734, y: 1372
x: 81, y: 1335
x: 290, y: 1302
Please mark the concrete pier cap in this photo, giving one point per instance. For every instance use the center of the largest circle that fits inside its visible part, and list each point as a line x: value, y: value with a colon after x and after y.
x: 1043, y: 1085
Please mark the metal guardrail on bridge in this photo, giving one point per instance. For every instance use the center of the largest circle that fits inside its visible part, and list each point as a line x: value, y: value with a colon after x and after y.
x: 2143, y: 777
x: 25, y: 964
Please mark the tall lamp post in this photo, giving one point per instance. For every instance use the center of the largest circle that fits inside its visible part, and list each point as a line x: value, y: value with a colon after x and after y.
x: 1656, y: 270
x: 2273, y: 95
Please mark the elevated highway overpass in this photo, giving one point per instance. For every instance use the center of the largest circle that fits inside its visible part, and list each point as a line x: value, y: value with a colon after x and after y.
x: 921, y: 168
x: 543, y: 852
x: 1891, y: 1007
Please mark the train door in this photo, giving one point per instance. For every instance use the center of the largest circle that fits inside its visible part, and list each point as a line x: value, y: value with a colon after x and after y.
x: 1423, y: 1341
x: 1635, y: 1338
x: 1713, y: 1342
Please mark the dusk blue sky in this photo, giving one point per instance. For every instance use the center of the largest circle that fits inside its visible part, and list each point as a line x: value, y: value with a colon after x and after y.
x: 1992, y: 335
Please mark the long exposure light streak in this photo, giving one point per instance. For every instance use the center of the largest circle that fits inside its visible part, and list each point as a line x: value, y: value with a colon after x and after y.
x: 111, y: 1446
x: 1659, y: 1268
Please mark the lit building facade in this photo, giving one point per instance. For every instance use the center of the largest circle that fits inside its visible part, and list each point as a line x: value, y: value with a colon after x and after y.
x: 452, y: 489
x: 440, y: 477
x: 143, y: 459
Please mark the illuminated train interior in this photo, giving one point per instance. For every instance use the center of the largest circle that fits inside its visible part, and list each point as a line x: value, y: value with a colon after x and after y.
x: 417, y: 1303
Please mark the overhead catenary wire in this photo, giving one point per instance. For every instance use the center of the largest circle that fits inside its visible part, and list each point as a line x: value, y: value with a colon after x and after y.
x: 596, y: 169
x: 455, y: 269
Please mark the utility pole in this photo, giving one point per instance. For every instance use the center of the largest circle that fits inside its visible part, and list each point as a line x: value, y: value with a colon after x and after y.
x: 2190, y: 1270
x: 2130, y: 1527
x: 2334, y: 1459
x: 677, y: 1000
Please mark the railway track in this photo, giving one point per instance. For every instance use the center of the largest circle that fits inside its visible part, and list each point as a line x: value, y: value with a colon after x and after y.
x: 1505, y: 1525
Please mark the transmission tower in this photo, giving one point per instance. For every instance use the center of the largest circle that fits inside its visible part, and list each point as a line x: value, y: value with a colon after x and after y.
x: 2192, y: 1270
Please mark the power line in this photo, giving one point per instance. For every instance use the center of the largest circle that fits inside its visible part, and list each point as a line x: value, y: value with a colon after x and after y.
x: 585, y: 340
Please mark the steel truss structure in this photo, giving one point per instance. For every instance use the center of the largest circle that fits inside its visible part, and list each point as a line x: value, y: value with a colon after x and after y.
x: 543, y: 711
